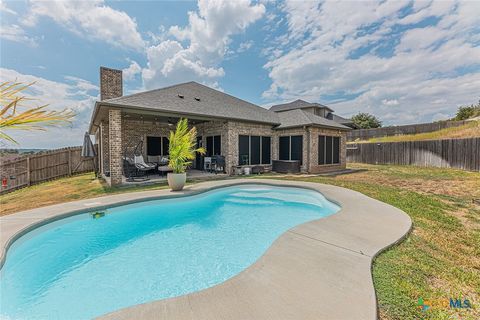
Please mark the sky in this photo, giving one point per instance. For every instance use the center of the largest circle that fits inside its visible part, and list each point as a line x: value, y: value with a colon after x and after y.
x: 403, y: 61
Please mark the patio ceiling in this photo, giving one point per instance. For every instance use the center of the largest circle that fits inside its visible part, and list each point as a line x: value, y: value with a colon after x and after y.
x: 101, y: 114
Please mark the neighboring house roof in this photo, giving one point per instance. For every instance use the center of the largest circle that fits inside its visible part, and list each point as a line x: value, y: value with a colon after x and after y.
x: 300, y: 118
x: 297, y: 104
x: 342, y: 120
x: 197, y: 100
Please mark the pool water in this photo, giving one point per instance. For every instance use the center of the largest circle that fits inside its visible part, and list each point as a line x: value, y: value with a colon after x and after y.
x: 80, y: 267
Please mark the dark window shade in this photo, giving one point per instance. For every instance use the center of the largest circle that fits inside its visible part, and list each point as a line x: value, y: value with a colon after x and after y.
x: 284, y: 148
x: 243, y: 150
x: 296, y: 148
x: 209, y: 146
x: 336, y: 149
x: 328, y: 144
x: 254, y: 150
x: 321, y: 149
x: 154, y: 146
x: 266, y: 150
x: 165, y: 145
x: 217, y: 145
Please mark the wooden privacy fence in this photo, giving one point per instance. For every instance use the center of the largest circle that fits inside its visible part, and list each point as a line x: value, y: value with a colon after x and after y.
x: 450, y: 153
x: 365, y: 134
x: 44, y: 166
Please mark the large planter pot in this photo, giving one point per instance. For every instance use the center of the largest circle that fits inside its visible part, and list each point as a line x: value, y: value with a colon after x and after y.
x: 176, y: 181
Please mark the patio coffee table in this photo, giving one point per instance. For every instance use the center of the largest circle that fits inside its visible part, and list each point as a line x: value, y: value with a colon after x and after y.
x: 164, y: 169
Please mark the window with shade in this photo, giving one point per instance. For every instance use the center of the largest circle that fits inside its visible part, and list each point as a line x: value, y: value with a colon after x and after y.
x: 214, y: 146
x: 157, y: 146
x: 254, y: 150
x: 328, y: 150
x: 290, y: 148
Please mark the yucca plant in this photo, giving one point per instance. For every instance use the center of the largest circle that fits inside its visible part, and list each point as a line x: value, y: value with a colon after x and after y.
x: 182, y: 147
x: 14, y: 114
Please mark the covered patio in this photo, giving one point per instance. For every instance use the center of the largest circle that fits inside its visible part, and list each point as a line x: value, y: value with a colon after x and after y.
x: 130, y: 134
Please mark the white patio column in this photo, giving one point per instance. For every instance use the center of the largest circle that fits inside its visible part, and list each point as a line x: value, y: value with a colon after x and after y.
x: 115, y: 146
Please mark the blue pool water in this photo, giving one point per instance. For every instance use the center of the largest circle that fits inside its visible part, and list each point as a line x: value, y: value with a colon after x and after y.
x: 80, y: 267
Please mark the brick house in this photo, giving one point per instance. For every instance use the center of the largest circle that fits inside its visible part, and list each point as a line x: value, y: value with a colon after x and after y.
x: 246, y: 134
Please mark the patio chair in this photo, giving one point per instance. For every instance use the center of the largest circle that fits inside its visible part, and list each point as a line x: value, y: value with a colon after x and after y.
x: 133, y: 171
x: 207, y: 163
x: 141, y: 164
x: 218, y: 163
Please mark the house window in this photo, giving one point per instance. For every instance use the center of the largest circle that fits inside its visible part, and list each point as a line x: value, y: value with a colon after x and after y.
x: 157, y: 146
x: 290, y: 148
x: 328, y: 150
x: 254, y: 150
x: 214, y: 146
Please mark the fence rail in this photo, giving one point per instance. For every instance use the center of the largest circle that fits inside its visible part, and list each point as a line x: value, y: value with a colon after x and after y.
x: 41, y: 167
x: 365, y: 134
x: 449, y: 153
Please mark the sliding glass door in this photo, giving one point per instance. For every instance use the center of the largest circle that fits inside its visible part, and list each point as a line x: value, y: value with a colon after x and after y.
x: 290, y: 148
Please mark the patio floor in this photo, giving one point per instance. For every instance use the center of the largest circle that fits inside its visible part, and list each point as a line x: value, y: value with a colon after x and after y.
x: 158, y: 178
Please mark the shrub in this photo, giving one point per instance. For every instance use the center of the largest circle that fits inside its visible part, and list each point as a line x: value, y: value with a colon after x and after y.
x: 366, y: 121
x: 468, y: 112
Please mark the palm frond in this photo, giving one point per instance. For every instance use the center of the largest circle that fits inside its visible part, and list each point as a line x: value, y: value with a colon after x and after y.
x: 33, y: 118
x: 182, y: 146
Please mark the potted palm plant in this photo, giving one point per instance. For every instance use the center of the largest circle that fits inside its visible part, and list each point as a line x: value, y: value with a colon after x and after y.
x: 182, y: 150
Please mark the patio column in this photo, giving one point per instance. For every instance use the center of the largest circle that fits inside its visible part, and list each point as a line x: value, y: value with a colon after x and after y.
x: 115, y: 146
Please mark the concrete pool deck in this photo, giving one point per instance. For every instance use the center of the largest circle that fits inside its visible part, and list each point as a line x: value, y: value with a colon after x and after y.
x: 317, y: 270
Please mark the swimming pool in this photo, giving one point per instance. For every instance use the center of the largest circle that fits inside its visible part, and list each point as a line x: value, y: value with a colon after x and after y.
x: 80, y: 267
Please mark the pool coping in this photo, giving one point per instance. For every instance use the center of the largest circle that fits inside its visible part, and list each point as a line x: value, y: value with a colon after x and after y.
x: 328, y: 253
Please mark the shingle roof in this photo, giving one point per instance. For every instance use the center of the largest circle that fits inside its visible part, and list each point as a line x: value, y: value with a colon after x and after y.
x: 299, y: 118
x: 297, y: 104
x: 336, y: 118
x: 197, y: 100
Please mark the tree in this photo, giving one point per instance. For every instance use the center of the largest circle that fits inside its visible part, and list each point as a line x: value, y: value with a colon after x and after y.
x: 366, y: 121
x: 182, y: 147
x: 14, y: 114
x: 468, y: 112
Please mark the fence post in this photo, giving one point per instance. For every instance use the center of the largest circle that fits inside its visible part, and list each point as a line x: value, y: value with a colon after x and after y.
x: 28, y: 170
x: 69, y: 162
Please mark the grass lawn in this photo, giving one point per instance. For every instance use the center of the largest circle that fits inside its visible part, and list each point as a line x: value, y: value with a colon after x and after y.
x: 469, y: 130
x: 439, y: 260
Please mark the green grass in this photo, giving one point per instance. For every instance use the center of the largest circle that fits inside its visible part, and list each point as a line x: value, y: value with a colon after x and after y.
x: 439, y: 259
x: 469, y: 130
x: 63, y: 190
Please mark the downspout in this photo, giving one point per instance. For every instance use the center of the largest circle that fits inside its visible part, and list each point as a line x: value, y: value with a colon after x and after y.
x: 307, y: 162
x: 100, y: 152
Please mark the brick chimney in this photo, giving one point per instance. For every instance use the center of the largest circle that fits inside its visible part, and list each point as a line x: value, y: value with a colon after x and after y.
x: 111, y: 84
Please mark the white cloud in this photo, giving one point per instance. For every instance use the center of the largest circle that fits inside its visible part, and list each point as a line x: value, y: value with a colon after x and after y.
x: 244, y: 46
x: 131, y: 72
x: 323, y: 56
x: 206, y: 37
x: 393, y: 102
x: 4, y: 8
x: 78, y: 95
x: 92, y: 19
x: 16, y: 33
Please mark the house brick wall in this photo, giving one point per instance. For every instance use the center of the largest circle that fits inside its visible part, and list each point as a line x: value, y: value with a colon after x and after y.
x: 134, y: 131
x: 314, y: 167
x: 104, y: 148
x: 295, y: 132
x: 214, y: 128
x: 110, y: 83
x: 243, y: 128
x: 115, y: 146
